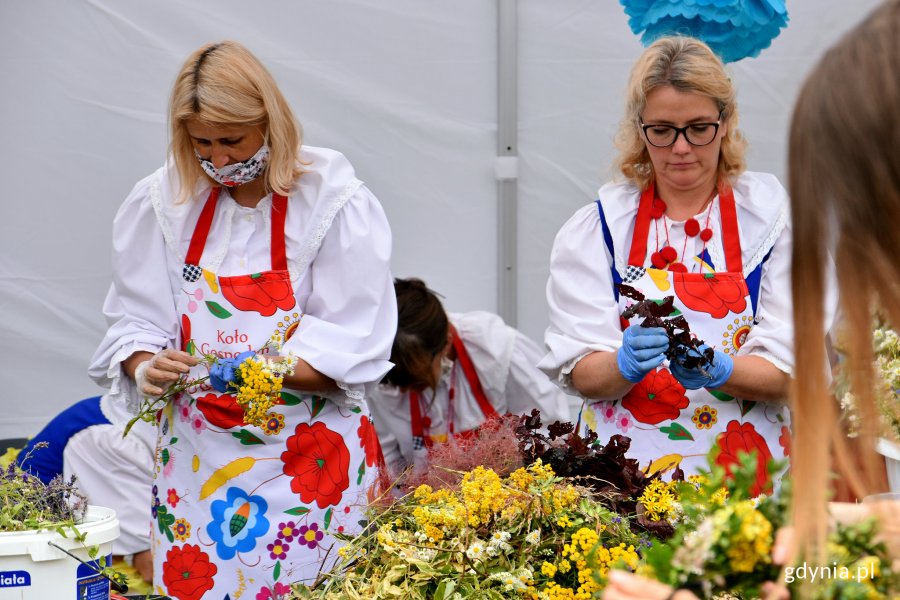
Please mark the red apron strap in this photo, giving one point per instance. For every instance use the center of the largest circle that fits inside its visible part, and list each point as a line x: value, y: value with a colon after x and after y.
x: 638, y: 252
x: 731, y: 237
x: 279, y: 214
x: 465, y: 362
x: 417, y: 423
x: 201, y: 230
x: 204, y: 223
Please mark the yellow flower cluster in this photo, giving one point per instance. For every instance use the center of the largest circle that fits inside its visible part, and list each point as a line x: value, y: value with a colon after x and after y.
x: 582, y: 541
x: 483, y: 494
x: 258, y: 390
x: 587, y: 559
x: 718, y: 498
x: 606, y: 558
x: 539, y: 479
x: 752, y: 543
x: 659, y: 500
x: 438, y: 512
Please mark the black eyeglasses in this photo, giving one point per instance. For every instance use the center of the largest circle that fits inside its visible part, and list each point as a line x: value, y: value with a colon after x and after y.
x: 696, y: 134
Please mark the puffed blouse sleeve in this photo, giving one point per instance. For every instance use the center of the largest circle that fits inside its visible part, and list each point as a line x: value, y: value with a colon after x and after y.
x: 584, y: 315
x: 763, y: 217
x: 350, y: 315
x: 139, y: 306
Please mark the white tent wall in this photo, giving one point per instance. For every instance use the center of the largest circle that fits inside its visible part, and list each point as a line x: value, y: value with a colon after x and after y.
x: 405, y: 88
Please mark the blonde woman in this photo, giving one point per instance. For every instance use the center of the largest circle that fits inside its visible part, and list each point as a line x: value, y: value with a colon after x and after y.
x: 244, y: 234
x: 686, y: 221
x: 845, y: 200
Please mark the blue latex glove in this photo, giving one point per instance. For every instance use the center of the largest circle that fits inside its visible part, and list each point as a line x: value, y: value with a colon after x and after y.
x: 716, y: 374
x: 222, y: 373
x: 642, y: 351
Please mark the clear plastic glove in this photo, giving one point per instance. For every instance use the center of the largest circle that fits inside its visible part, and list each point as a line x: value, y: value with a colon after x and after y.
x: 221, y: 374
x: 153, y: 377
x: 711, y: 376
x: 642, y: 351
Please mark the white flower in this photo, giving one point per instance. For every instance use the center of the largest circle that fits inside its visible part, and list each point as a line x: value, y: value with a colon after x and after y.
x: 533, y: 537
x: 510, y: 582
x: 475, y: 551
x: 696, y: 550
x: 426, y: 554
x: 677, y: 512
x: 499, y: 537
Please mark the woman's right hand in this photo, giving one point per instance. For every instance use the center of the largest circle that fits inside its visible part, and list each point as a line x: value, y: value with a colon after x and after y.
x: 156, y: 375
x: 643, y: 349
x: 623, y: 585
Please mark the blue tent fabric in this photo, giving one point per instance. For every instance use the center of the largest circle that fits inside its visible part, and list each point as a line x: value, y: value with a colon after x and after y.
x: 734, y: 29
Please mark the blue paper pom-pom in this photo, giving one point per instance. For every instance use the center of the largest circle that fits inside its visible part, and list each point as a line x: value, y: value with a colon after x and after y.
x: 734, y: 29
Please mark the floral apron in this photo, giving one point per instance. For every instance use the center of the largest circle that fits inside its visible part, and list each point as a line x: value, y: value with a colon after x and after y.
x: 667, y: 424
x: 242, y: 511
x: 420, y: 423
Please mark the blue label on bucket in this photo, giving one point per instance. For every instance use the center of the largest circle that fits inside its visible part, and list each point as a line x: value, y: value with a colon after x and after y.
x: 91, y: 585
x: 10, y: 579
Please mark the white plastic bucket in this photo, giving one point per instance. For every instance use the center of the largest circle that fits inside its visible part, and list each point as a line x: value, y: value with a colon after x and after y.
x: 32, y: 569
x: 891, y: 453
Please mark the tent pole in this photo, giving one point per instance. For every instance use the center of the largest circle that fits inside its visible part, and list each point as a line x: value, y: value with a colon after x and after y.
x: 506, y: 166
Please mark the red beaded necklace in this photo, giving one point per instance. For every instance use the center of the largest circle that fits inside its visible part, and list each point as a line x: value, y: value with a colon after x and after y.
x: 667, y: 257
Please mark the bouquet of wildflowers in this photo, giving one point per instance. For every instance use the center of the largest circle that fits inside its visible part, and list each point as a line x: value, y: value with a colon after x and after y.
x: 723, y: 538
x: 887, y: 367
x: 723, y: 543
x: 531, y: 534
x: 254, y: 380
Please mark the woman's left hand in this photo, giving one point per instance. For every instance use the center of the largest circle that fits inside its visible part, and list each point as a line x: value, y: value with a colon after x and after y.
x: 222, y: 372
x: 625, y: 586
x: 711, y: 376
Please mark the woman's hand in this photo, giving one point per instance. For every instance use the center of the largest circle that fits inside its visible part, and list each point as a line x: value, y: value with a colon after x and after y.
x: 221, y: 374
x: 643, y: 349
x: 712, y: 376
x: 781, y: 550
x: 155, y: 373
x: 625, y: 586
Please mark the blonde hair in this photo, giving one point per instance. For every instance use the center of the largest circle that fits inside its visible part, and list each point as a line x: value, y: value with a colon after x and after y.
x: 224, y: 84
x: 845, y: 190
x: 688, y: 65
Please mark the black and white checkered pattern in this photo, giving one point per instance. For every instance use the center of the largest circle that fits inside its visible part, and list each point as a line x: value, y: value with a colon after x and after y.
x: 633, y: 273
x: 418, y: 442
x: 191, y: 273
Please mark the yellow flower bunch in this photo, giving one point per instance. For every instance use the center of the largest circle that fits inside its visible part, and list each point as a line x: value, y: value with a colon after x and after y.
x: 606, y: 558
x: 717, y: 498
x: 438, y: 512
x: 259, y: 387
x: 752, y: 543
x: 586, y: 558
x: 484, y: 495
x: 659, y: 500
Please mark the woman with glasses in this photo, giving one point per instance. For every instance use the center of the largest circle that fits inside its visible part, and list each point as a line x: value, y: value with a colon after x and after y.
x: 687, y: 222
